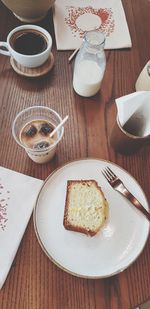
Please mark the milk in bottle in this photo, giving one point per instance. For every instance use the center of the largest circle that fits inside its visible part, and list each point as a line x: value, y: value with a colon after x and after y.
x: 89, y: 65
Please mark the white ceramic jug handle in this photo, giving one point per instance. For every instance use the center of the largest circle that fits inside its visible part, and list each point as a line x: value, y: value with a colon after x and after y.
x: 148, y: 68
x: 2, y: 51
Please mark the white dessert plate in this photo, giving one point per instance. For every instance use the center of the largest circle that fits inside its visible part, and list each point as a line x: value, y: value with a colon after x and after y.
x: 115, y: 247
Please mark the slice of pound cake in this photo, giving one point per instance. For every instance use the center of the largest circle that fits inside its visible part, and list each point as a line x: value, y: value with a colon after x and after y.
x: 86, y: 208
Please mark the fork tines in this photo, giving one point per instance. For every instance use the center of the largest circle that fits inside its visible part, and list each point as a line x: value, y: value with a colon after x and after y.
x: 108, y: 173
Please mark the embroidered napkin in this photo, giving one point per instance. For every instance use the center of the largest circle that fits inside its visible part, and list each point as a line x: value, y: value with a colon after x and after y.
x: 134, y: 110
x: 73, y: 18
x: 18, y: 194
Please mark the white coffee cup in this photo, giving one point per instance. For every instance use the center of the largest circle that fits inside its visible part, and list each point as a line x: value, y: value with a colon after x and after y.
x: 28, y: 60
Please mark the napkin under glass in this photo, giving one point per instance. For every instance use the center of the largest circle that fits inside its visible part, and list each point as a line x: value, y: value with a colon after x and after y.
x: 73, y: 18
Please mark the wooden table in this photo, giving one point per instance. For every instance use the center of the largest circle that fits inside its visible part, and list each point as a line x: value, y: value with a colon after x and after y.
x: 34, y: 282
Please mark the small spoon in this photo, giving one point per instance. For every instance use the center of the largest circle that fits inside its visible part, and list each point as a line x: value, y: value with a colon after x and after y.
x: 59, y: 126
x: 73, y: 54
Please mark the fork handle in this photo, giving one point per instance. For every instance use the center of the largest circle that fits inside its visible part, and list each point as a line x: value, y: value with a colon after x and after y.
x: 123, y: 190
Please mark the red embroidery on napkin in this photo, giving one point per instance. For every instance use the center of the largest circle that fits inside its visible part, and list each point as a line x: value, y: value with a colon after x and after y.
x: 4, y: 197
x: 107, y: 22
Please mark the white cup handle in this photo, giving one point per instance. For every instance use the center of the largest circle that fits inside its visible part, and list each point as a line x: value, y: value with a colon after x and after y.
x: 4, y: 52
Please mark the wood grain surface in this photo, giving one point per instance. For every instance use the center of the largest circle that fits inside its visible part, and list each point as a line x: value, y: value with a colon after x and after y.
x: 34, y: 282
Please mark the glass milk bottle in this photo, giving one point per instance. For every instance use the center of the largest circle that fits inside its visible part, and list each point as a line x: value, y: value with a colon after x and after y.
x: 89, y: 65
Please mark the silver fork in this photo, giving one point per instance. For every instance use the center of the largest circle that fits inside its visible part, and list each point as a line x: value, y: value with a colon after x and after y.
x: 119, y: 186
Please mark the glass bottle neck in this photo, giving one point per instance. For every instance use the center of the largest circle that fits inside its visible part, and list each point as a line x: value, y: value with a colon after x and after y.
x: 94, y: 40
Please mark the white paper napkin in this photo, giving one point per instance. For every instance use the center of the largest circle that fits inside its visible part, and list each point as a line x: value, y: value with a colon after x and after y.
x: 18, y: 194
x: 134, y: 108
x: 73, y: 18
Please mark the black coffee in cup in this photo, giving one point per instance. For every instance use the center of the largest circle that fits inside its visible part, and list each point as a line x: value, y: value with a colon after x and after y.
x: 28, y: 42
